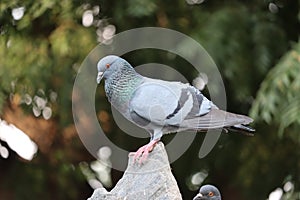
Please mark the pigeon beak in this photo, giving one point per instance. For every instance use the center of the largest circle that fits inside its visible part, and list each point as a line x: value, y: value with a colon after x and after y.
x: 198, y: 196
x: 99, y: 76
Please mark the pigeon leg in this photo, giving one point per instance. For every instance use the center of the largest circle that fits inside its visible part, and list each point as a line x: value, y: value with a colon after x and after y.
x: 143, y: 151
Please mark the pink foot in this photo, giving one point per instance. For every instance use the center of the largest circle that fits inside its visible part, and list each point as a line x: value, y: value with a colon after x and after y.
x: 143, y: 151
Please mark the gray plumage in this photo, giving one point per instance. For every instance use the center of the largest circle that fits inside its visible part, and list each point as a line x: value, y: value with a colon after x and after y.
x: 208, y: 192
x: 161, y: 106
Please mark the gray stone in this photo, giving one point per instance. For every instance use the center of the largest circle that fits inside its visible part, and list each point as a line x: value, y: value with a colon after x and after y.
x: 152, y: 180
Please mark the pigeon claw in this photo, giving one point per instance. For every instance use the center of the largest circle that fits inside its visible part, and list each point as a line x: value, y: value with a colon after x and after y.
x: 143, y: 152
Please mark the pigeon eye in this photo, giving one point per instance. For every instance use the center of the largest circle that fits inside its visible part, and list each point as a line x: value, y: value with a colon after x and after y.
x: 210, y: 194
x: 107, y: 65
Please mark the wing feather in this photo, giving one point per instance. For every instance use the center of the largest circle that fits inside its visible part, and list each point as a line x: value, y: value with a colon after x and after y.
x: 175, y: 104
x: 215, y: 119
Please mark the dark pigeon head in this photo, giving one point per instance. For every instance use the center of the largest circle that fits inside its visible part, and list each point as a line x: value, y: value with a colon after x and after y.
x: 208, y: 192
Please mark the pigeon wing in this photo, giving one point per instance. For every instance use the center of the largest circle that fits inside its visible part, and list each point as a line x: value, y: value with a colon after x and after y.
x: 181, y: 105
x: 166, y: 103
x: 214, y: 119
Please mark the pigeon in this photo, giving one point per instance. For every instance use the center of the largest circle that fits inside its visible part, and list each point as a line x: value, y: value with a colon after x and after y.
x: 208, y: 192
x: 162, y: 107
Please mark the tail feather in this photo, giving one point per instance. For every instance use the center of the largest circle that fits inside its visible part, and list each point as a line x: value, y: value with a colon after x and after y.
x: 218, y: 119
x: 246, y: 130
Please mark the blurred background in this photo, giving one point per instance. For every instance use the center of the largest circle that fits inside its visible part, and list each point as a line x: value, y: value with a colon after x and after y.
x: 255, y: 45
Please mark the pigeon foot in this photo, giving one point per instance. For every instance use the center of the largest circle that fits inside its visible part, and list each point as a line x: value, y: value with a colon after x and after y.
x: 143, y: 152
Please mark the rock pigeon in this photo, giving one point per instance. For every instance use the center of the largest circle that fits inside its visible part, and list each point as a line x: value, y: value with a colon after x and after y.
x: 208, y: 192
x: 160, y: 106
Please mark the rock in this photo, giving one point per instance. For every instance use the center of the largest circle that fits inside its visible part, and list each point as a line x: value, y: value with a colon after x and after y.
x: 151, y: 180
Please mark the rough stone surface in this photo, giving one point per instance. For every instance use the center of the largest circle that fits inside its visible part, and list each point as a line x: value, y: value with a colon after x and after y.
x: 151, y: 180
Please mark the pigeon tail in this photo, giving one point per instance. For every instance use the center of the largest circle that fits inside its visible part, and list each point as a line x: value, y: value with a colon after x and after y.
x: 219, y: 119
x: 243, y: 129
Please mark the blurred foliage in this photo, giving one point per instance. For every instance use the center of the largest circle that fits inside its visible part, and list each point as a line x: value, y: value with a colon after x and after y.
x: 278, y: 99
x: 250, y: 41
x: 243, y: 47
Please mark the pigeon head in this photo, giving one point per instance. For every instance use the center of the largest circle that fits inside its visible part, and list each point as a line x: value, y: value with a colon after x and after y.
x: 107, y: 66
x: 208, y: 192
